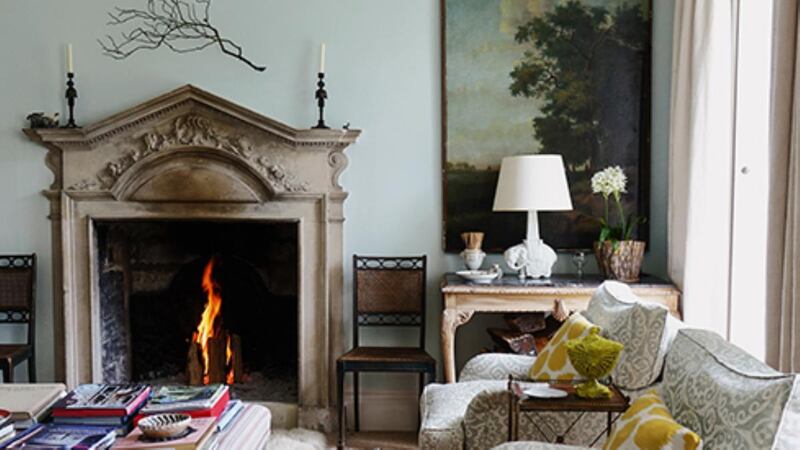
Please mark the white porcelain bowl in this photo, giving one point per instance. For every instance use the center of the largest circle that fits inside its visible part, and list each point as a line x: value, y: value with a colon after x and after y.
x: 161, y: 426
x: 478, y: 276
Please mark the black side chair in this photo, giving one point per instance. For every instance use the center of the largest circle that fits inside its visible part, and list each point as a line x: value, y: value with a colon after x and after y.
x: 387, y: 291
x: 17, y: 305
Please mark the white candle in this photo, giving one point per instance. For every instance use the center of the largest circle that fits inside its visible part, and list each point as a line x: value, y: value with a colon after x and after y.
x: 69, y: 59
x: 322, y: 58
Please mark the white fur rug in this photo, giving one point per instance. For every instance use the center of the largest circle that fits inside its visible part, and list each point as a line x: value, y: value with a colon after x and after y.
x: 296, y: 439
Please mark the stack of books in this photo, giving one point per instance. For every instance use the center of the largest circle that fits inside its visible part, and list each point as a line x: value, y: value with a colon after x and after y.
x: 30, y: 404
x: 103, y: 405
x: 99, y: 416
x: 55, y: 436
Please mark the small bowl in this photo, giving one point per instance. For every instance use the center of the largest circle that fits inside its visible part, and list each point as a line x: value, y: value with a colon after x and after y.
x: 478, y: 276
x: 160, y: 426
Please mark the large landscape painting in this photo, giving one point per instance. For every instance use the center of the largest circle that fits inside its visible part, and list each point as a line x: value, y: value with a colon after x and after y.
x: 543, y: 76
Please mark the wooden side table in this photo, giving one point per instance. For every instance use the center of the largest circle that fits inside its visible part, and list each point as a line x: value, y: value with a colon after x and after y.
x: 519, y: 403
x: 462, y: 299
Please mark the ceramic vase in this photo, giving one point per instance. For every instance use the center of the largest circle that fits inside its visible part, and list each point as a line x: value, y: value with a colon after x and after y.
x: 622, y: 261
x: 473, y: 258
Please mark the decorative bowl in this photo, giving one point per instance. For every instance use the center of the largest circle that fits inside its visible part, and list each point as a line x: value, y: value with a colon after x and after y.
x: 478, y: 276
x: 161, y: 426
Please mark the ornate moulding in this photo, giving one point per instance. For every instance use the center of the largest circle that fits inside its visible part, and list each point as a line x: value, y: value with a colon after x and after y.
x: 189, y: 154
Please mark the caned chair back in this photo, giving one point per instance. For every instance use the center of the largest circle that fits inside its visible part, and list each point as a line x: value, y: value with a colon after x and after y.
x: 17, y: 285
x: 389, y: 291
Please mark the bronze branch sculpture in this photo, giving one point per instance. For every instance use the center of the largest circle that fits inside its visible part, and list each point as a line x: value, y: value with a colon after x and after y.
x: 183, y: 26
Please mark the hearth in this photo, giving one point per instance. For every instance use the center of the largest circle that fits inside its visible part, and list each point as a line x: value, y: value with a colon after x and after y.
x: 199, y: 303
x: 189, y: 158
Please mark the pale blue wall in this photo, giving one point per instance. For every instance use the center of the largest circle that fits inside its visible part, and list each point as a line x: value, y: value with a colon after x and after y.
x: 383, y: 65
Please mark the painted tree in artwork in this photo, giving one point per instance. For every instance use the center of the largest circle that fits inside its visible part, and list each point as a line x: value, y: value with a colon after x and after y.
x: 572, y: 64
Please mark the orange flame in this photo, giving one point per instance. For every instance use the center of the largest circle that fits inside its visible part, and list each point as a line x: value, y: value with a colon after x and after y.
x: 208, y: 328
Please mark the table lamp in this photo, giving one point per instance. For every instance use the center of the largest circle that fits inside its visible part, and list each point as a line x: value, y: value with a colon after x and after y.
x: 532, y: 183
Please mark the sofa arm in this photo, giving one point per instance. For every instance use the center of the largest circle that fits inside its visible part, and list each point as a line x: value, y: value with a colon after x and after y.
x: 496, y: 366
x: 531, y: 445
x: 486, y: 420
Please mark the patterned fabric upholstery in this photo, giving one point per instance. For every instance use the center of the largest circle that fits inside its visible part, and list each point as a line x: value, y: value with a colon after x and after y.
x: 645, y: 329
x: 789, y: 429
x: 728, y: 397
x: 442, y: 409
x: 496, y: 366
x: 536, y: 446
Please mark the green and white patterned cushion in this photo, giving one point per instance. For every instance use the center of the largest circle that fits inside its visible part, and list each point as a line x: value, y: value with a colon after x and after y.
x: 728, y: 397
x: 645, y: 329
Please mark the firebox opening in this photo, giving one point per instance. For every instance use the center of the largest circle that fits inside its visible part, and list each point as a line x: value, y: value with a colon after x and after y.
x: 158, y: 282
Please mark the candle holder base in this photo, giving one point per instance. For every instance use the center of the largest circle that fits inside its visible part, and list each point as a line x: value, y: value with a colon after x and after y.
x: 321, y: 95
x: 71, y: 94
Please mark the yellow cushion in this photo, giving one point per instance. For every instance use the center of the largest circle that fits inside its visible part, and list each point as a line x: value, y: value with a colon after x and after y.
x: 648, y: 425
x: 552, y: 362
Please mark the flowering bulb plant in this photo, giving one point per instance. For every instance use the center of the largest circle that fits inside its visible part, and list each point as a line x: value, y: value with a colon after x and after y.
x: 611, y: 183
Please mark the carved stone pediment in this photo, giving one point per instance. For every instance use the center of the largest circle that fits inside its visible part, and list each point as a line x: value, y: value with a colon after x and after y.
x: 122, y: 152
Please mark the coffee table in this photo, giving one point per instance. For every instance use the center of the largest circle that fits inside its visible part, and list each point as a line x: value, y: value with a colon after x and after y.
x: 520, y: 403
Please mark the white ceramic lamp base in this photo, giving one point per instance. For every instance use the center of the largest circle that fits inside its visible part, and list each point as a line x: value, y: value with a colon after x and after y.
x: 533, y: 258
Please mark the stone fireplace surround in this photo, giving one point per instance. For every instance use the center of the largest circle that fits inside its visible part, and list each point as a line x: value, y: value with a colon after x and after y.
x: 190, y: 155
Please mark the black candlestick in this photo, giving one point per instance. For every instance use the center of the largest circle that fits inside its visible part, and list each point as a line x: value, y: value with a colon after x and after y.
x: 321, y: 96
x: 71, y: 95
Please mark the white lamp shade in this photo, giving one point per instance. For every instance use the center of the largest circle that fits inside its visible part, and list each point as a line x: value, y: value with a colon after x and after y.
x: 532, y: 183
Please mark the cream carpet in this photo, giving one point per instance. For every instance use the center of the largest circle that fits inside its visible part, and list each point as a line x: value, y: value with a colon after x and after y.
x: 296, y: 439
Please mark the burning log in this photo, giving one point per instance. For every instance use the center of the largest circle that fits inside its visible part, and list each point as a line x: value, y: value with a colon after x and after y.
x: 224, y: 361
x: 217, y: 359
x: 236, y: 359
x: 194, y: 369
x: 214, y: 355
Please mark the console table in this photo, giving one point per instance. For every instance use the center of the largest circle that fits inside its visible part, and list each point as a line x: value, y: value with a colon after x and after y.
x: 462, y: 299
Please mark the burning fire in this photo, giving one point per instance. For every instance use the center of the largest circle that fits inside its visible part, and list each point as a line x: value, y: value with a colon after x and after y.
x: 208, y: 326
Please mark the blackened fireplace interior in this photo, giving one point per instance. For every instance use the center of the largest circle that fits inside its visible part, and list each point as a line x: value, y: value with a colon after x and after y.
x: 151, y: 299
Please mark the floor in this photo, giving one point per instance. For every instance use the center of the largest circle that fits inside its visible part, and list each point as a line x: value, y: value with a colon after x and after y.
x: 284, y: 416
x: 384, y: 440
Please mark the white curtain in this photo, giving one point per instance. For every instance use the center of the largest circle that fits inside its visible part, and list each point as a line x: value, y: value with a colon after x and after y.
x: 701, y: 159
x: 783, y: 282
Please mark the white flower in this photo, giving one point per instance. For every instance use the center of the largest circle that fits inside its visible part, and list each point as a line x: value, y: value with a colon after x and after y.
x: 611, y: 180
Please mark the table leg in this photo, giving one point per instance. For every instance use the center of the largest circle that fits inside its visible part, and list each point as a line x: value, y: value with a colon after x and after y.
x: 451, y: 320
x: 608, y: 431
x: 513, y: 419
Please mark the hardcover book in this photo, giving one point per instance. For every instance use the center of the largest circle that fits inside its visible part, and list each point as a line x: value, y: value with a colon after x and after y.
x: 29, y: 403
x: 102, y: 400
x: 187, y: 398
x: 58, y: 437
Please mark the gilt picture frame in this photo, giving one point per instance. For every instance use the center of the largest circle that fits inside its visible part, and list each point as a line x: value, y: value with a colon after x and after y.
x: 543, y: 76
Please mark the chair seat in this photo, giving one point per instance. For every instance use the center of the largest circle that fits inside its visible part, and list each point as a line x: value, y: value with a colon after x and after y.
x: 15, y: 352
x: 387, y: 355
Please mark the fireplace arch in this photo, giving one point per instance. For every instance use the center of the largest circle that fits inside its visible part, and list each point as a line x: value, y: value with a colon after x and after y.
x: 202, y: 174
